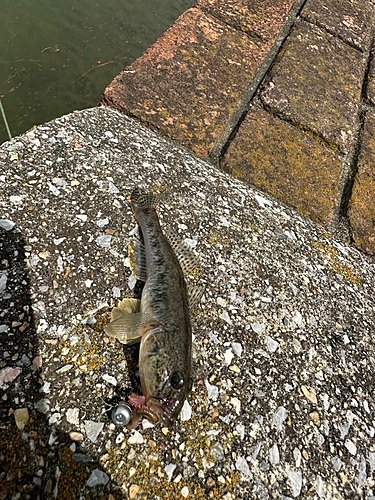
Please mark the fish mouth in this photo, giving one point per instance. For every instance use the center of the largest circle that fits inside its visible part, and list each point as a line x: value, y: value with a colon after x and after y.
x: 153, y: 408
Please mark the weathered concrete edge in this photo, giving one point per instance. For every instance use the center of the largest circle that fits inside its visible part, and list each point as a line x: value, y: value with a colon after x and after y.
x: 242, y: 107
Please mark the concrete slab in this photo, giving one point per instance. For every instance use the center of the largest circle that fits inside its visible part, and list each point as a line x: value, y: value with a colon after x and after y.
x: 316, y: 83
x: 280, y: 160
x: 362, y: 202
x: 262, y: 20
x: 188, y: 83
x: 350, y: 20
x: 284, y: 351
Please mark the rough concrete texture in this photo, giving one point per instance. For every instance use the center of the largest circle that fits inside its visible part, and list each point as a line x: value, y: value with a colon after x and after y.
x: 370, y: 88
x: 188, y: 83
x: 282, y: 161
x: 349, y: 20
x: 262, y: 20
x: 316, y: 82
x: 284, y: 354
x: 362, y: 206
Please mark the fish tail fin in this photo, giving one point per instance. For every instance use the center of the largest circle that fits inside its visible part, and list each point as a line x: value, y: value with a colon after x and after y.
x: 141, y: 200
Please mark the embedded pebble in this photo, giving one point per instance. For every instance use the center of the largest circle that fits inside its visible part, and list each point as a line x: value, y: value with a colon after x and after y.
x: 97, y: 477
x: 228, y: 356
x: 54, y: 418
x: 104, y: 241
x: 336, y: 462
x: 295, y: 479
x: 272, y: 345
x: 93, y: 429
x: 133, y: 490
x: 237, y: 348
x: 3, y: 282
x: 169, y: 469
x: 217, y: 451
x: 185, y: 491
x: 7, y: 224
x: 257, y: 327
x: 136, y: 438
x: 7, y: 375
x: 362, y: 472
x: 225, y: 316
x: 242, y: 466
x: 76, y: 436
x: 350, y: 446
x: 109, y: 379
x: 319, y: 486
x: 185, y: 411
x: 274, y: 455
x: 21, y: 416
x: 212, y: 390
x: 72, y: 415
x: 279, y: 417
x: 42, y: 405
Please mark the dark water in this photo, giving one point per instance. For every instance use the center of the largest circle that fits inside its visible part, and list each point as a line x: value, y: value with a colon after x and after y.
x: 59, y: 55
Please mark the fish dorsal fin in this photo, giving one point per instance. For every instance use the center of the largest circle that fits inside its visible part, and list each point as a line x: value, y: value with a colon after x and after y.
x: 137, y: 258
x: 195, y: 293
x: 188, y: 260
x: 130, y: 328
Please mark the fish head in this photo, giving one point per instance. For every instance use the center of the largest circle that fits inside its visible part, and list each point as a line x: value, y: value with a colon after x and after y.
x: 165, y: 378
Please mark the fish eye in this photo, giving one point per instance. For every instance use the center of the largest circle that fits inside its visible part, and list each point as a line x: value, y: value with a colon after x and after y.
x: 177, y: 380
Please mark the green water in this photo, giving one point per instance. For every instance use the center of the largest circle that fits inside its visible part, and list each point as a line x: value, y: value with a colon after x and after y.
x: 59, y: 55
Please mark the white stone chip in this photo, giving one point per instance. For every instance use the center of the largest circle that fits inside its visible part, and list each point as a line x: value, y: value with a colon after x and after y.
x: 136, y: 438
x: 185, y: 491
x: 57, y: 241
x: 257, y: 327
x: 225, y: 316
x: 113, y: 189
x: 88, y: 283
x: 350, y: 446
x: 295, y: 479
x: 228, y: 356
x: 236, y: 403
x: 72, y: 416
x: 337, y: 464
x: 274, y: 455
x: 7, y: 224
x: 93, y: 429
x: 237, y: 348
x: 53, y: 189
x: 131, y: 282
x: 82, y: 217
x: 3, y: 282
x: 212, y: 390
x: 272, y: 345
x: 109, y: 379
x: 279, y: 417
x: 102, y: 222
x: 362, y: 472
x: 263, y: 202
x: 242, y: 466
x: 297, y: 318
x: 104, y: 241
x: 116, y: 292
x: 185, y: 412
x: 169, y: 469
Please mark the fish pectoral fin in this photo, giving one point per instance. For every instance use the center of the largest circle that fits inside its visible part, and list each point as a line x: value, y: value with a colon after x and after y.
x: 195, y: 293
x: 188, y: 260
x: 137, y: 258
x: 130, y: 328
x: 126, y: 306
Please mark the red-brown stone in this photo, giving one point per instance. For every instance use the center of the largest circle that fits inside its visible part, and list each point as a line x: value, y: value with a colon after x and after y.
x: 257, y: 18
x: 188, y: 83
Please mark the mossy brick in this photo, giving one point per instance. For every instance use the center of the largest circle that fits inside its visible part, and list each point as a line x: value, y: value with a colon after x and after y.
x: 282, y: 161
x: 316, y: 83
x: 350, y: 20
x: 258, y: 19
x: 188, y: 83
x: 362, y: 203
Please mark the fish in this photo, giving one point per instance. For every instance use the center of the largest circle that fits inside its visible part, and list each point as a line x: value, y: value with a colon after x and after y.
x: 161, y: 320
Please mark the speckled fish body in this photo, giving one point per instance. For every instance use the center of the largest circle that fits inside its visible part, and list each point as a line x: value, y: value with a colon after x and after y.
x: 163, y: 323
x: 165, y: 352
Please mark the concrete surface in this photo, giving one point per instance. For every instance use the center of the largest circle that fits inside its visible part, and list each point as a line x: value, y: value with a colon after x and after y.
x: 283, y: 403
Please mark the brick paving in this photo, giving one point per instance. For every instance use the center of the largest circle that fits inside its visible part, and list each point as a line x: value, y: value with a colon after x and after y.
x: 280, y: 94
